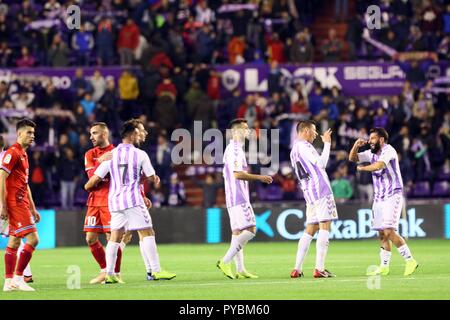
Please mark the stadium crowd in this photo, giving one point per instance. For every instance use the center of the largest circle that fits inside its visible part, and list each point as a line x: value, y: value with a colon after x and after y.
x: 169, y: 49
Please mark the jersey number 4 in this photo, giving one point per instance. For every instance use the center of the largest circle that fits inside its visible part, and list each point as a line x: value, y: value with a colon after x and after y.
x: 301, y: 172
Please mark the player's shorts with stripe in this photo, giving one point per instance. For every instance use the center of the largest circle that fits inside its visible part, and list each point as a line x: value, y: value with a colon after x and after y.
x: 21, y: 222
x: 97, y: 220
x: 136, y: 218
x: 241, y: 217
x: 386, y: 213
x: 322, y: 210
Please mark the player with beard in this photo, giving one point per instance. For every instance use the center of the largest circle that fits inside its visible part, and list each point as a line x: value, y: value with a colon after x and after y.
x: 388, y: 196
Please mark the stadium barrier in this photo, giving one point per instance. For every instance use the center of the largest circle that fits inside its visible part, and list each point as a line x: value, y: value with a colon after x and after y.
x: 274, y: 223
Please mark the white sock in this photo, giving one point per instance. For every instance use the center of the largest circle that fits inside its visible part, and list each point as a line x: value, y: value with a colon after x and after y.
x: 303, y: 246
x: 404, y: 252
x: 237, y: 244
x: 322, y: 248
x: 385, y: 257
x: 239, y: 258
x: 122, y: 245
x: 144, y: 257
x: 111, y: 256
x: 151, y: 253
x: 27, y: 270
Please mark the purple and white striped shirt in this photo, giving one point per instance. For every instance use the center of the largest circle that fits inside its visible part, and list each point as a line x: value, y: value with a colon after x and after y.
x: 313, y: 179
x: 126, y: 167
x: 2, y: 154
x: 236, y: 191
x: 387, y: 181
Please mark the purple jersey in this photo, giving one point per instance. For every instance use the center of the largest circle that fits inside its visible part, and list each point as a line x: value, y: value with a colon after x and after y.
x: 313, y: 179
x: 236, y: 191
x: 126, y: 167
x: 387, y: 181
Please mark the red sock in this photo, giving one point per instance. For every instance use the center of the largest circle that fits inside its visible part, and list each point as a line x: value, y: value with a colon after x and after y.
x: 118, y: 261
x: 99, y: 254
x: 24, y: 259
x: 10, y: 262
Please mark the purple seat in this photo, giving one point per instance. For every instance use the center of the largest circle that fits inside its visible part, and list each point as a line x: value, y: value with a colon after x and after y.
x: 261, y: 191
x: 443, y: 175
x: 422, y: 189
x: 274, y: 192
x: 441, y: 189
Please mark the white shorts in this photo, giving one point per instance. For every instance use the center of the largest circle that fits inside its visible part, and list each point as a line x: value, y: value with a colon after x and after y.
x: 322, y: 210
x: 386, y: 213
x: 136, y: 218
x: 241, y: 217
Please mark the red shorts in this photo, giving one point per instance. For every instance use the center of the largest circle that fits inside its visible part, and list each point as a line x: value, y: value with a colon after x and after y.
x: 97, y: 220
x: 20, y: 221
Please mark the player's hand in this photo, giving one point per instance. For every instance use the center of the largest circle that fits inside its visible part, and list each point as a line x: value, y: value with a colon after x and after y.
x: 326, y: 137
x: 360, y: 142
x: 36, y: 215
x: 266, y: 179
x: 147, y: 203
x: 105, y: 157
x: 156, y: 179
x: 4, y: 213
x: 360, y: 168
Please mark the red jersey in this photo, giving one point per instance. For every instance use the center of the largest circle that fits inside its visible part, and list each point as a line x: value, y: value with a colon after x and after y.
x: 15, y: 162
x: 98, y: 197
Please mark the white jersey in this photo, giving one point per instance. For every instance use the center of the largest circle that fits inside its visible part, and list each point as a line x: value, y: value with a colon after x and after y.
x: 236, y: 191
x: 126, y: 167
x: 2, y: 154
x: 387, y: 181
x: 313, y: 179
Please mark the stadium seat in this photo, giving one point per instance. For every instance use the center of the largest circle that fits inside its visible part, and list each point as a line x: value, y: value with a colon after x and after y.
x: 441, y: 189
x: 422, y: 189
x: 274, y: 192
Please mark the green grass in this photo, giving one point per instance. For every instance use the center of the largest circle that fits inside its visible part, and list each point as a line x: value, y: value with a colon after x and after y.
x: 198, y: 277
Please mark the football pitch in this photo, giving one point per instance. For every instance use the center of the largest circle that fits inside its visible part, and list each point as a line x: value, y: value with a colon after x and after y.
x: 198, y: 277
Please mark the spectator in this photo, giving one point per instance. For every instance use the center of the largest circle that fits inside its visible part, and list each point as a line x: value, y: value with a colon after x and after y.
x: 163, y: 159
x: 250, y: 111
x: 129, y: 92
x: 332, y: 48
x: 288, y: 184
x: 80, y: 86
x: 52, y: 9
x: 176, y: 193
x: 88, y: 105
x: 98, y: 84
x: 430, y: 24
x: 341, y: 186
x: 22, y: 100
x: 83, y: 43
x: 275, y: 49
x: 301, y: 50
x: 209, y: 190
x: 58, y: 52
x: 205, y: 44
x: 5, y: 54
x: 340, y: 10
x: 68, y: 173
x: 37, y: 178
x: 446, y: 20
x: 105, y: 42
x: 157, y: 196
x: 26, y: 60
x: 236, y: 49
x: 128, y: 42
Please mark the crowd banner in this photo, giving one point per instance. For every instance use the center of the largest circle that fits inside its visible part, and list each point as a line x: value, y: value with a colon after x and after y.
x: 354, y: 79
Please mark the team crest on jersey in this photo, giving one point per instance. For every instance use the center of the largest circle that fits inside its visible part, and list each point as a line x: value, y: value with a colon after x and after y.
x: 7, y: 159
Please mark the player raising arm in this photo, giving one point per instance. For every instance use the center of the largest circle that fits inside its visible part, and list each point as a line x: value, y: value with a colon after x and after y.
x: 388, y: 196
x: 309, y: 167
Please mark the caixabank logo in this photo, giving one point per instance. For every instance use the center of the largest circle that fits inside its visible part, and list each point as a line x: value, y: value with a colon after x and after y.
x: 355, y: 222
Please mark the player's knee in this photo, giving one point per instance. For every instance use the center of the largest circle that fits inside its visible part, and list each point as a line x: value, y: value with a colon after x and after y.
x: 91, y: 238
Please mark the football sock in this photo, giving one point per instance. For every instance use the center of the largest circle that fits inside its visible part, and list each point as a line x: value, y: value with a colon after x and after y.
x: 24, y: 259
x: 149, y: 244
x: 10, y: 262
x: 237, y: 244
x: 144, y: 257
x: 111, y: 256
x: 99, y: 254
x: 322, y: 248
x: 303, y: 246
x: 27, y: 270
x: 385, y: 257
x: 239, y: 259
x: 404, y: 252
x: 118, y: 260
